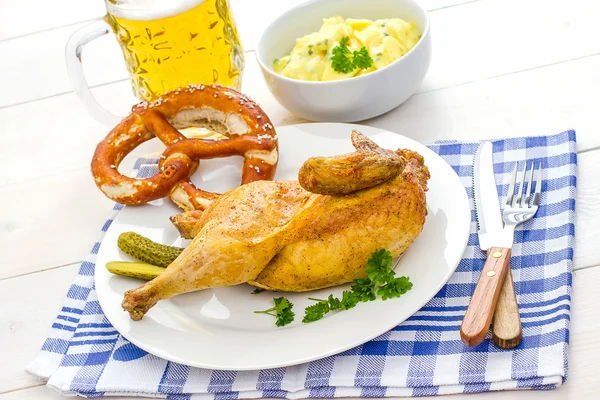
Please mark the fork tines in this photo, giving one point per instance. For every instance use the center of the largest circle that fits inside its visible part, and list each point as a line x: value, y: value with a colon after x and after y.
x: 519, y: 200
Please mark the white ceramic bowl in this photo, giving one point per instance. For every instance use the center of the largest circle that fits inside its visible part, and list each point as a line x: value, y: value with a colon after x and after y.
x: 353, y: 99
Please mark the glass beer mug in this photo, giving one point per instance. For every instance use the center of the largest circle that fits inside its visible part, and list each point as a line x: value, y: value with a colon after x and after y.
x: 166, y: 44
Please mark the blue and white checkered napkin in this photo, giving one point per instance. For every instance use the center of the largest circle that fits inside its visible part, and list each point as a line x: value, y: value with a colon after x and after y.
x: 84, y: 354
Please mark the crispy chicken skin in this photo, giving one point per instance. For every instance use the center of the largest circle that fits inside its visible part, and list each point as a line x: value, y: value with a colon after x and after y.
x: 279, y: 236
x: 348, y: 173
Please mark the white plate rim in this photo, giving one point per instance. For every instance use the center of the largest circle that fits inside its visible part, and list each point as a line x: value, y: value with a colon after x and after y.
x: 116, y: 319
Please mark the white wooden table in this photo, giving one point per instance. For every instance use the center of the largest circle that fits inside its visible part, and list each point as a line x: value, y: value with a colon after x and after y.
x: 500, y: 68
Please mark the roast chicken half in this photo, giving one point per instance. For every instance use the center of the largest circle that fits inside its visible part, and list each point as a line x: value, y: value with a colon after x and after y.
x: 300, y: 235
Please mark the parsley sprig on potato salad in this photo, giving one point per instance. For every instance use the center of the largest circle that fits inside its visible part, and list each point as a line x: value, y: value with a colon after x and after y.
x: 347, y: 47
x: 345, y: 61
x: 380, y: 281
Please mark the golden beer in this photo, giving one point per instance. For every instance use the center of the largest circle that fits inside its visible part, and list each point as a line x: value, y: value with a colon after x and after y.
x: 172, y: 43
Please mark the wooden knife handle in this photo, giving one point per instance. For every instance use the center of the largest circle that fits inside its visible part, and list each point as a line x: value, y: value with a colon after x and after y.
x: 477, y: 319
x: 506, y: 330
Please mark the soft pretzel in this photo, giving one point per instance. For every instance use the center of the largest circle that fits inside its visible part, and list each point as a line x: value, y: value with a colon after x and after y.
x: 244, y: 127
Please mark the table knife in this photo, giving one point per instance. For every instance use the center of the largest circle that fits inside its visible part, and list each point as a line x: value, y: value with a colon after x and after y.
x: 495, y: 281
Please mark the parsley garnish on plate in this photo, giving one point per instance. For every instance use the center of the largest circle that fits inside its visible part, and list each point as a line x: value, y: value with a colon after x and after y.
x: 315, y: 312
x: 364, y: 289
x: 282, y: 311
x: 379, y: 267
x: 345, y: 61
x: 394, y: 288
x: 322, y: 307
x: 380, y: 281
x: 349, y: 300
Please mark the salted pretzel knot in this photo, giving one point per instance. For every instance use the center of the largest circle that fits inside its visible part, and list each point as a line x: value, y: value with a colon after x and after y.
x: 244, y: 127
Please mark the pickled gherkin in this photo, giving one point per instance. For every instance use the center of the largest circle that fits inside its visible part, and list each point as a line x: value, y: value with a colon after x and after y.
x: 137, y: 270
x: 146, y: 250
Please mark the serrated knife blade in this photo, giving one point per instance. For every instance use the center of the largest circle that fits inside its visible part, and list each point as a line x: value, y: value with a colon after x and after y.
x: 493, y: 238
x: 487, y: 207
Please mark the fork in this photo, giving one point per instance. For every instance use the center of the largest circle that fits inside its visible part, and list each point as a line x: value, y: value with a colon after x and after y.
x: 515, y: 210
x: 506, y: 330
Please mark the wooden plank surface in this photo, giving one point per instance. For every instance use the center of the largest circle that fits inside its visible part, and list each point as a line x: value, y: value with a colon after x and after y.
x: 532, y: 102
x: 22, y: 331
x: 467, y: 32
x: 519, y: 104
x: 26, y: 17
x: 587, y: 233
x: 65, y: 136
x: 25, y: 319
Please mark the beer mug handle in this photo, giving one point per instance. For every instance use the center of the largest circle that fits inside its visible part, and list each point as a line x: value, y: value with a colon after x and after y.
x: 75, y: 44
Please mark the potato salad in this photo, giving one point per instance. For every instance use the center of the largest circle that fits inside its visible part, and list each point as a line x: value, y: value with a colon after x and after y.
x: 344, y: 48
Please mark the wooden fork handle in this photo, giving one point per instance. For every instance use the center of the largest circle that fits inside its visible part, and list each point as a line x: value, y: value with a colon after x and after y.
x: 477, y: 319
x: 507, y: 331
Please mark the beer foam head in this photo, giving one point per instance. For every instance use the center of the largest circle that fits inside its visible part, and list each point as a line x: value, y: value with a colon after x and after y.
x: 149, y: 9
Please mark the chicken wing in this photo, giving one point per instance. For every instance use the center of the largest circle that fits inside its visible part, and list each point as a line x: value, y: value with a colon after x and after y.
x: 369, y: 166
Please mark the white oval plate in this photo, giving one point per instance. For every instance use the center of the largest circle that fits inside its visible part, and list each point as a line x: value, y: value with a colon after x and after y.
x: 218, y: 329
